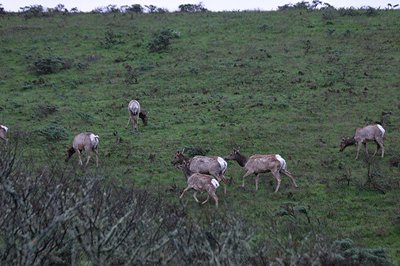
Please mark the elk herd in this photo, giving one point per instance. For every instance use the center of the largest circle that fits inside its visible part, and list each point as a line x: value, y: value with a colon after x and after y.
x: 205, y: 173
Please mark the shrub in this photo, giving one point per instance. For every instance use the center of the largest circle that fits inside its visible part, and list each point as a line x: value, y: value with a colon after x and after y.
x: 162, y: 40
x: 53, y: 132
x: 50, y: 65
x: 136, y: 8
x: 35, y: 83
x: 111, y: 39
x: 43, y: 110
x: 192, y: 8
x: 2, y: 11
x: 32, y: 11
x: 56, y: 218
x: 85, y: 117
x: 195, y: 150
x: 131, y: 76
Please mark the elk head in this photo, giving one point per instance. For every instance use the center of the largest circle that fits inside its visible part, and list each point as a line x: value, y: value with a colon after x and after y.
x: 143, y: 116
x: 347, y: 142
x: 179, y: 159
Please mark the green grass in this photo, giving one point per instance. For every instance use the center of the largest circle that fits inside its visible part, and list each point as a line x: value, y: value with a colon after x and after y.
x: 291, y: 83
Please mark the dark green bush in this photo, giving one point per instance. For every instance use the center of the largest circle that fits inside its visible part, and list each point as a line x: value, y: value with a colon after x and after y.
x: 192, y: 8
x: 43, y: 110
x: 50, y: 65
x: 162, y: 40
x: 111, y: 39
x: 195, y: 150
x: 36, y: 83
x: 53, y: 132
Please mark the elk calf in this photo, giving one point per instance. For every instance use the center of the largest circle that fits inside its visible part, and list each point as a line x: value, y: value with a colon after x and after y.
x: 200, y: 183
x: 3, y: 133
x: 87, y: 142
x: 135, y: 113
x: 363, y: 135
x: 209, y: 165
x: 259, y: 163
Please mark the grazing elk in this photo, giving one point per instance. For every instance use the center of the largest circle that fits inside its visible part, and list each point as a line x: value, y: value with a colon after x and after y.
x: 135, y: 112
x: 210, y: 165
x: 3, y: 133
x: 87, y: 142
x: 369, y: 133
x: 200, y: 183
x: 259, y: 163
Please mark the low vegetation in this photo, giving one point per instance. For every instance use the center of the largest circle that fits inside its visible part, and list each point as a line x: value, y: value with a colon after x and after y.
x: 212, y: 82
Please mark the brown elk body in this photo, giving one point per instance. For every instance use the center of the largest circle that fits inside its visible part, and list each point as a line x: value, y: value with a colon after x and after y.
x: 135, y: 112
x: 209, y: 165
x: 260, y: 163
x: 87, y: 142
x: 363, y: 135
x: 3, y: 133
x: 200, y: 183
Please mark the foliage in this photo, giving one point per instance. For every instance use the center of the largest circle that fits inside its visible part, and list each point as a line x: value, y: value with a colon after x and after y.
x: 192, y: 151
x: 53, y: 132
x: 44, y: 110
x: 50, y: 65
x: 136, y: 8
x: 32, y: 11
x: 192, y: 8
x: 291, y: 83
x: 2, y: 11
x: 111, y: 39
x: 56, y: 218
x: 155, y: 9
x: 162, y: 40
x: 131, y: 75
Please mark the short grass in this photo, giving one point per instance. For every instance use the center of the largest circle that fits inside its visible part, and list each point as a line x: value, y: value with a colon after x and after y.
x: 291, y: 83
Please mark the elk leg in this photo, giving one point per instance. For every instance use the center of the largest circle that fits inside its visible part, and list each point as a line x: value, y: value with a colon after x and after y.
x: 88, y: 158
x: 97, y: 157
x: 358, y: 149
x: 366, y: 149
x: 223, y: 178
x: 246, y: 174
x: 79, y: 156
x: 208, y: 196
x: 183, y: 192
x: 195, y: 196
x: 278, y: 178
x: 257, y: 178
x: 215, y: 198
x: 380, y: 143
x: 129, y: 120
x: 135, y: 124
x: 289, y: 174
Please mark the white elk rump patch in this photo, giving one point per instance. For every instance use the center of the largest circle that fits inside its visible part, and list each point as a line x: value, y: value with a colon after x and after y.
x: 222, y: 163
x: 215, y: 183
x: 381, y: 129
x: 4, y: 127
x: 281, y: 160
x: 94, y: 139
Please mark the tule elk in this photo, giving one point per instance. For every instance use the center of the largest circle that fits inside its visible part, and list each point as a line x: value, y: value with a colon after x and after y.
x: 259, y: 163
x: 209, y: 165
x: 369, y: 133
x: 200, y: 183
x: 87, y: 142
x: 135, y: 112
x: 3, y: 133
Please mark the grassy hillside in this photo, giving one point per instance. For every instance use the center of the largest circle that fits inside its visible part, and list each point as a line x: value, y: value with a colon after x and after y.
x: 291, y: 83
